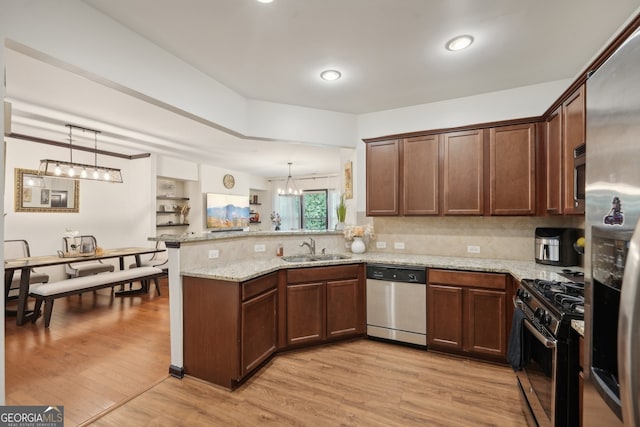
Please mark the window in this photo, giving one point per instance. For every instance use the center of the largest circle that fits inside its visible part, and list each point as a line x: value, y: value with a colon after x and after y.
x: 314, y: 210
x: 309, y: 211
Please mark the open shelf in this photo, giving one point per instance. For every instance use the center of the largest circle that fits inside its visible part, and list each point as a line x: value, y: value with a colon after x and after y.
x: 172, y: 225
x: 171, y: 198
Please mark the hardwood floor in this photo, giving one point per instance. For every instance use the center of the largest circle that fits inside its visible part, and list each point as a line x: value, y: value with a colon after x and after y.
x: 352, y: 383
x: 97, y: 352
x: 106, y: 361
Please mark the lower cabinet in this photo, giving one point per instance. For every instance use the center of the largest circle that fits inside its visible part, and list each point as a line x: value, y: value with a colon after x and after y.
x: 230, y: 328
x: 467, y: 313
x: 324, y: 303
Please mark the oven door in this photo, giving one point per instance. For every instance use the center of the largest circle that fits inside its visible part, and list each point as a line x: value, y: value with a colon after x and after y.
x: 538, y: 378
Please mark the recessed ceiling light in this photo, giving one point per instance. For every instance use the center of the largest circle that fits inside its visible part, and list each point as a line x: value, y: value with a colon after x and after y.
x: 330, y: 75
x: 459, y: 43
x: 265, y: 1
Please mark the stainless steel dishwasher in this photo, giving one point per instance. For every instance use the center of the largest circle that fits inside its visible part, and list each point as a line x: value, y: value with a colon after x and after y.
x: 397, y: 303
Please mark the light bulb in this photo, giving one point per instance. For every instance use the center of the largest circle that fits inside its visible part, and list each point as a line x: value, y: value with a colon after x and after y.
x: 106, y: 176
x: 71, y: 172
x: 57, y: 170
x: 30, y: 183
x: 83, y: 174
x: 96, y: 175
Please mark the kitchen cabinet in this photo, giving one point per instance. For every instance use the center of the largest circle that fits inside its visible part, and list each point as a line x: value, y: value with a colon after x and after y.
x: 230, y: 328
x: 383, y: 178
x: 554, y: 163
x: 463, y: 173
x: 512, y: 166
x: 573, y: 135
x: 467, y: 313
x: 420, y: 170
x: 324, y: 303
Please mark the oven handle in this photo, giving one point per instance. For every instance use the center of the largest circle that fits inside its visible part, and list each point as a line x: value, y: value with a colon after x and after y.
x: 549, y: 343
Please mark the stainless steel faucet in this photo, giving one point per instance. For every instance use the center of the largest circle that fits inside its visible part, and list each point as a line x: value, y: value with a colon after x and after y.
x: 311, y: 246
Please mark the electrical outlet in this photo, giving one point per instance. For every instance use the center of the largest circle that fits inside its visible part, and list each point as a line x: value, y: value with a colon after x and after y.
x: 473, y: 249
x: 381, y: 245
x: 214, y: 253
x: 398, y: 245
x: 259, y: 248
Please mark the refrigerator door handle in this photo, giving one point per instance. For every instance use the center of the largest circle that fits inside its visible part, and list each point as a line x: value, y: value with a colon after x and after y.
x: 629, y: 335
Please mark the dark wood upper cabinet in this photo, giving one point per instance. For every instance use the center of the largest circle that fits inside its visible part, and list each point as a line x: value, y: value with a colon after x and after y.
x: 574, y: 124
x: 554, y: 164
x: 383, y: 178
x: 512, y: 166
x: 463, y: 173
x: 420, y: 167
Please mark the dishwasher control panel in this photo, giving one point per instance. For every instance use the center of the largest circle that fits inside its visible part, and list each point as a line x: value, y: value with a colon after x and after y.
x: 395, y: 273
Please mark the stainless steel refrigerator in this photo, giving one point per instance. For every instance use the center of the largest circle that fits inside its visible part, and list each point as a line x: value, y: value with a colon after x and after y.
x: 612, y: 262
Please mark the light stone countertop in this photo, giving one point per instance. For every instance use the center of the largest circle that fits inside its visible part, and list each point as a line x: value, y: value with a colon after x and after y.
x: 578, y: 326
x: 245, y: 270
x: 223, y: 235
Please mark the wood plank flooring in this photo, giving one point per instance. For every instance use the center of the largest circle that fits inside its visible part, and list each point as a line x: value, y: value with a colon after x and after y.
x: 106, y: 360
x: 98, y: 351
x: 358, y: 383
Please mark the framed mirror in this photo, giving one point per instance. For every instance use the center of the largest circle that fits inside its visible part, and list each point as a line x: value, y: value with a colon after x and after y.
x: 35, y: 193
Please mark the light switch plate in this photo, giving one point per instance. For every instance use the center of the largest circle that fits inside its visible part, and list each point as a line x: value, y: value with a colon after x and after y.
x: 259, y: 248
x: 214, y: 253
x: 381, y: 245
x: 398, y: 245
x: 473, y: 249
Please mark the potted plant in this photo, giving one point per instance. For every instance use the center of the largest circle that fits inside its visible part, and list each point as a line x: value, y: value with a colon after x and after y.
x: 341, y: 211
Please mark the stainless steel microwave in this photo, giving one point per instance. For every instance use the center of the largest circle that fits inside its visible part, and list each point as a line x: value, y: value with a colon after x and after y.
x: 579, y: 172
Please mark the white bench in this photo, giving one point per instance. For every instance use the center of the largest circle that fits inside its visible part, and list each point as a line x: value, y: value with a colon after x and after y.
x: 48, y: 292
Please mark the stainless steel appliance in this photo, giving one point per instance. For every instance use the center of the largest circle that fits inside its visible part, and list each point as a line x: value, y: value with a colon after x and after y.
x: 612, y: 335
x: 397, y: 303
x: 554, y: 246
x: 547, y: 368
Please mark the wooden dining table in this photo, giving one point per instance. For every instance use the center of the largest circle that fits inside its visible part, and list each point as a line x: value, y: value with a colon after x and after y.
x: 26, y: 264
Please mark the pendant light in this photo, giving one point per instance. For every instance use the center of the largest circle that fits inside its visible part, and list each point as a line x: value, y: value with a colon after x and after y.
x: 72, y: 170
x: 290, y: 188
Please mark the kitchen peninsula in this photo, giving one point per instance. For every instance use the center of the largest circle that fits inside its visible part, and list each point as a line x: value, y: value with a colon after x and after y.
x: 243, y: 265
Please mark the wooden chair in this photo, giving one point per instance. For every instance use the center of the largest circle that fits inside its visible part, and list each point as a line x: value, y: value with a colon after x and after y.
x: 84, y: 244
x: 14, y: 249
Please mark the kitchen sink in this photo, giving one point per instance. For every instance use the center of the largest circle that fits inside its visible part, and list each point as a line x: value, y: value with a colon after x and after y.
x: 309, y: 257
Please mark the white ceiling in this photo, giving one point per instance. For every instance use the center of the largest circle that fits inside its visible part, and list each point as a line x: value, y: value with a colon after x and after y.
x: 391, y: 54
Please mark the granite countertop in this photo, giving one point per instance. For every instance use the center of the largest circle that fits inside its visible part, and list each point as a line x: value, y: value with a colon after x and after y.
x: 222, y: 235
x: 578, y: 326
x: 248, y: 269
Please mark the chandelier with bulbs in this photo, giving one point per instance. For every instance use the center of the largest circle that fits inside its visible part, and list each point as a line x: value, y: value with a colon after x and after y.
x: 290, y: 188
x: 74, y: 170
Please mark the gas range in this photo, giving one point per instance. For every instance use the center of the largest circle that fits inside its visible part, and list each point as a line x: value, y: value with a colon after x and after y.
x: 551, y: 304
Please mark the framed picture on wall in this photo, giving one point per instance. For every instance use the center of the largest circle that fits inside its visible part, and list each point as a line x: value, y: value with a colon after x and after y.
x: 348, y: 180
x: 44, y: 196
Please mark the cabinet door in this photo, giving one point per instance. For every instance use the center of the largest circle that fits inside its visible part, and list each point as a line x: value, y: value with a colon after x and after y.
x: 259, y: 330
x: 554, y: 173
x: 512, y: 167
x: 383, y: 178
x: 305, y: 313
x: 420, y: 175
x: 343, y: 308
x: 574, y: 111
x: 444, y: 316
x: 463, y: 172
x: 486, y: 326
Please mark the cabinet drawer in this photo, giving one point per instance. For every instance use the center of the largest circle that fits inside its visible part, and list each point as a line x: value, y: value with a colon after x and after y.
x: 321, y: 274
x: 259, y: 285
x: 468, y: 279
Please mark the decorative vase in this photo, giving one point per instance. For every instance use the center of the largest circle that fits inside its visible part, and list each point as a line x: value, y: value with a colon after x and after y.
x: 340, y: 226
x: 358, y: 246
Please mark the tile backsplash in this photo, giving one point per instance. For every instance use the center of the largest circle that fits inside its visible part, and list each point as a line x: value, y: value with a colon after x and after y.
x: 494, y: 237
